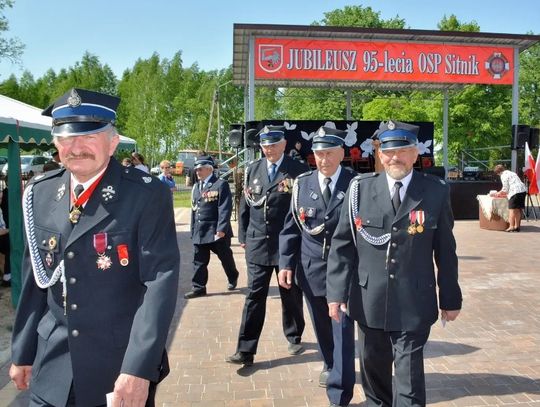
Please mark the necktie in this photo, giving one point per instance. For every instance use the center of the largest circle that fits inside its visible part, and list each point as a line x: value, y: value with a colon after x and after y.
x: 272, y: 174
x: 201, y: 184
x: 327, y: 194
x: 78, y: 190
x: 396, y: 200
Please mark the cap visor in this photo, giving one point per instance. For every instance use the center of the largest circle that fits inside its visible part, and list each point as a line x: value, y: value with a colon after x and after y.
x: 79, y: 128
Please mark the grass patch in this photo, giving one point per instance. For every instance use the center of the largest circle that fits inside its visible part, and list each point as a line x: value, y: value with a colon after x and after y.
x: 182, y: 199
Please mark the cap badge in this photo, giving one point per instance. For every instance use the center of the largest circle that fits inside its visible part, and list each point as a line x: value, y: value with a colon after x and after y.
x: 266, y: 129
x: 391, y: 125
x: 74, y: 100
x: 321, y: 132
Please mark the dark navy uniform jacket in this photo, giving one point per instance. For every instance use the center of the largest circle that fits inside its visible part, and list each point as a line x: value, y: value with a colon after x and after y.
x: 211, y: 211
x: 116, y: 320
x: 309, y: 252
x: 394, y: 285
x: 259, y: 225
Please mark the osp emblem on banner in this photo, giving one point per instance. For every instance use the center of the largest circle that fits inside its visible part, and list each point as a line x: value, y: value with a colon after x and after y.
x: 270, y: 57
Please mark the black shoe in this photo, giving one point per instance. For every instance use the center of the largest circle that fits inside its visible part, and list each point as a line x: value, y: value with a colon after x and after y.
x: 295, y: 349
x: 241, y: 358
x: 232, y: 286
x: 6, y: 283
x: 195, y: 293
x: 323, y: 378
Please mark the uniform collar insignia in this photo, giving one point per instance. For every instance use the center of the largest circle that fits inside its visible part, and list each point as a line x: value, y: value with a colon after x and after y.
x: 147, y: 180
x: 60, y: 192
x: 313, y: 195
x: 108, y: 193
x: 340, y: 195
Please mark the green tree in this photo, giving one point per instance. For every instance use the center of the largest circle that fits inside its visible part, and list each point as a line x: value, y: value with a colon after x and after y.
x: 10, y: 48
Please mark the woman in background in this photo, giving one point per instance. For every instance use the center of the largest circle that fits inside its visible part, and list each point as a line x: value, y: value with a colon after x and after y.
x: 515, y: 191
x: 138, y: 162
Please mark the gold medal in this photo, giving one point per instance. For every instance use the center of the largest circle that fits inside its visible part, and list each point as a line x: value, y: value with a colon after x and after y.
x: 419, y: 228
x: 52, y: 243
x: 411, y: 230
x: 74, y: 215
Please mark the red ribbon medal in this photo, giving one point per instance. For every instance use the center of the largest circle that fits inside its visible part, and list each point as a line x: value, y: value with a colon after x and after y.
x: 412, y: 227
x: 100, y: 244
x: 123, y: 255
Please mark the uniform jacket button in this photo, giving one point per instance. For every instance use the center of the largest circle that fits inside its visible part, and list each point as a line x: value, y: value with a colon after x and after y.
x: 70, y: 255
x: 394, y: 244
x: 73, y: 307
x: 393, y: 261
x: 268, y: 236
x: 391, y: 276
x: 394, y: 229
x: 326, y: 217
x: 72, y: 280
x: 74, y: 333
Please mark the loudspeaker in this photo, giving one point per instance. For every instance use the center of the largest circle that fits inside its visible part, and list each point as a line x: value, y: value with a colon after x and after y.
x: 252, y: 129
x: 236, y: 135
x: 520, y: 134
x: 533, y: 137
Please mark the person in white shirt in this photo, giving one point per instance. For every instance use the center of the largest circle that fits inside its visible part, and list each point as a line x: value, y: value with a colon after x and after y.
x: 515, y: 190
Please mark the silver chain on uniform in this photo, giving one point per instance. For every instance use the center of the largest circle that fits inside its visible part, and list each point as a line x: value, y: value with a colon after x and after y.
x: 40, y: 275
x: 353, y: 214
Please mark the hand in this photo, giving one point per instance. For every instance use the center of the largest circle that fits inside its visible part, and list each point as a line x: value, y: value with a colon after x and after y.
x: 21, y: 376
x: 130, y: 391
x: 243, y: 245
x: 4, y: 232
x: 448, y: 315
x: 219, y: 235
x: 334, y: 308
x: 285, y: 277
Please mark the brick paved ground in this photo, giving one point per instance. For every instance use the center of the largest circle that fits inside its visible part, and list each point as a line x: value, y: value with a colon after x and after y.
x: 489, y: 357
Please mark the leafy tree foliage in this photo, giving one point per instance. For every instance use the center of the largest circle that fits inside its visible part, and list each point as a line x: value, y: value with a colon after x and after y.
x: 10, y: 48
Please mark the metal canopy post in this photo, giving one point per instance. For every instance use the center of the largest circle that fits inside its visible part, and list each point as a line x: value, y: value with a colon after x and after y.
x: 445, y: 133
x: 348, y: 94
x: 515, y: 104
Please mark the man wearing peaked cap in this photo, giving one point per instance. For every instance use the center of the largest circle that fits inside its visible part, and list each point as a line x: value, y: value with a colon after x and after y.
x: 211, y: 231
x: 267, y: 197
x: 385, y: 274
x: 100, y: 269
x: 304, y: 243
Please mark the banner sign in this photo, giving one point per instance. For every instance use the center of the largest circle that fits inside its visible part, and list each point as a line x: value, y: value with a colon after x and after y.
x: 332, y: 60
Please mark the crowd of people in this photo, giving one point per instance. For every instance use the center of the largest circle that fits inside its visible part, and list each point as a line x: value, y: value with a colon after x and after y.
x: 101, y: 265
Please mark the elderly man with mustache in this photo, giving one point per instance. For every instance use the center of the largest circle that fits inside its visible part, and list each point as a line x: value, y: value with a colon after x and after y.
x: 100, y: 269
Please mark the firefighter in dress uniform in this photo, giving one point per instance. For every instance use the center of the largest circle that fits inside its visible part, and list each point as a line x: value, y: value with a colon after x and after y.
x: 100, y: 269
x: 267, y: 197
x: 303, y: 248
x: 211, y: 231
x: 392, y: 228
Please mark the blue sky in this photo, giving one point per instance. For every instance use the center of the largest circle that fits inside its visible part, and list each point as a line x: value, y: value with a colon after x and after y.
x: 57, y: 32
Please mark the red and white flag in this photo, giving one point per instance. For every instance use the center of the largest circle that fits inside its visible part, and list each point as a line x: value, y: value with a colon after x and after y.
x: 537, y: 170
x: 530, y: 171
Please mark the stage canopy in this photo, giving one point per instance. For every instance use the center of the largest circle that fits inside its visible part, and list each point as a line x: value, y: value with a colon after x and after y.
x: 351, y: 58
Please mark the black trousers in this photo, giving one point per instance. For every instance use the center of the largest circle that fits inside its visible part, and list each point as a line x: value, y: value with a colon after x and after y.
x: 336, y: 346
x: 378, y: 350
x: 5, y: 250
x: 255, y: 309
x: 201, y: 258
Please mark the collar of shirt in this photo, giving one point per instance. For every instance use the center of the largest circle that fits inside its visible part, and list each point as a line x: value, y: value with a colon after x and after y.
x: 74, y: 182
x: 405, y: 181
x: 334, y: 179
x: 278, y: 163
x: 206, y: 180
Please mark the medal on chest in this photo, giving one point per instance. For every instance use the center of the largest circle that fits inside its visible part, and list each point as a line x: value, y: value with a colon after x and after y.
x: 74, y: 214
x: 412, y: 227
x: 103, y: 261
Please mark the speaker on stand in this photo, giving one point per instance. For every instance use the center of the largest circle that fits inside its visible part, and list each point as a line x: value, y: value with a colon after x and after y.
x: 520, y: 135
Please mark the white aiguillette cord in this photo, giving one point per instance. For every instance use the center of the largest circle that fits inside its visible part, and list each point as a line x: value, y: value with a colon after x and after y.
x: 40, y: 275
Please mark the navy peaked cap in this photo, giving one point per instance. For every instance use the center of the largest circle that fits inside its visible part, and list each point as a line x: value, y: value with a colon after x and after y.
x: 271, y: 135
x: 79, y: 112
x: 328, y: 137
x: 393, y: 134
x: 203, y: 160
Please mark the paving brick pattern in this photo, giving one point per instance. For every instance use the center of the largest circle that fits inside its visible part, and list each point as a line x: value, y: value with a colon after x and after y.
x: 490, y: 356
